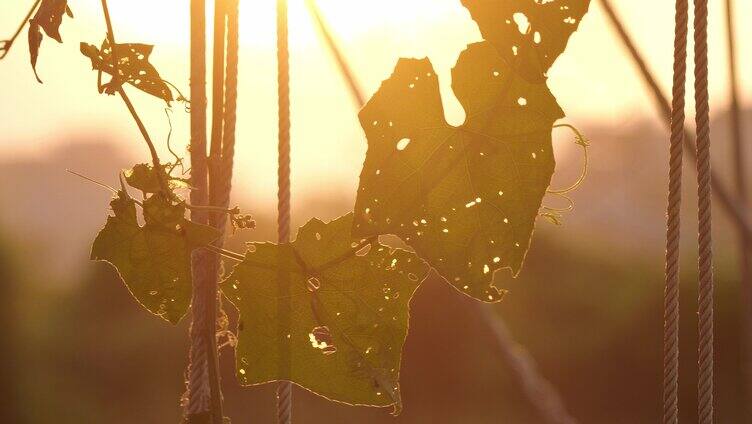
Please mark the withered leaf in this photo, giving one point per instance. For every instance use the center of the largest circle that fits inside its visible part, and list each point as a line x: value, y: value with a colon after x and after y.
x: 133, y: 67
x: 48, y: 17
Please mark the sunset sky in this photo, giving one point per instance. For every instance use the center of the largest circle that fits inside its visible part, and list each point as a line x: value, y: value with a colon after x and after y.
x: 593, y: 80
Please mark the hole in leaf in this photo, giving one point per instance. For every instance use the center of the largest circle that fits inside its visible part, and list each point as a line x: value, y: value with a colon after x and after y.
x: 363, y: 250
x: 313, y: 284
x: 321, y: 338
x: 402, y: 144
x: 523, y: 24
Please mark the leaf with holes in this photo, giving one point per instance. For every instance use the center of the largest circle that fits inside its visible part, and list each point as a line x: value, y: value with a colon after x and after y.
x: 133, y: 67
x: 326, y: 312
x: 48, y: 17
x: 530, y: 34
x: 153, y: 260
x: 465, y: 198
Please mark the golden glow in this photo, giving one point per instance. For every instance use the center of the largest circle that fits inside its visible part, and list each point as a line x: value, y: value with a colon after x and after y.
x: 161, y: 21
x: 594, y: 81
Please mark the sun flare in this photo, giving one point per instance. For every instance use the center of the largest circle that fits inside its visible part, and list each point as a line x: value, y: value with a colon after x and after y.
x: 349, y: 19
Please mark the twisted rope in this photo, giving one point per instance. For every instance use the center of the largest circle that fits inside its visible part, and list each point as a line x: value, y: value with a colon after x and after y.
x: 204, y: 393
x: 720, y: 191
x: 231, y: 102
x: 198, y: 388
x: 284, y: 389
x: 673, y: 232
x: 705, y: 261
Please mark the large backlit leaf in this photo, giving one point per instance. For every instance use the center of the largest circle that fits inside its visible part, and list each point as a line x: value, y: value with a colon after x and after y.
x: 133, y: 66
x: 529, y: 33
x: 48, y: 17
x: 319, y: 314
x: 153, y: 260
x: 465, y: 198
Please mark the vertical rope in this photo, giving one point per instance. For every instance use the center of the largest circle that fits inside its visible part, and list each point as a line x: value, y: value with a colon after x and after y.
x: 705, y: 261
x: 284, y: 390
x: 231, y: 103
x: 673, y: 232
x: 199, y: 392
x: 204, y: 395
x: 720, y: 191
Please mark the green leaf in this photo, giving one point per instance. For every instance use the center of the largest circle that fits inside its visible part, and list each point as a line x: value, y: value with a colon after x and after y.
x: 154, y: 260
x: 48, y: 17
x: 529, y: 33
x: 323, y: 313
x: 133, y: 67
x: 465, y: 198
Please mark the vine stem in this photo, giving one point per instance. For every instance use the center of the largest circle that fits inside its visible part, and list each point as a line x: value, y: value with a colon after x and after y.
x: 123, y: 95
x: 7, y: 44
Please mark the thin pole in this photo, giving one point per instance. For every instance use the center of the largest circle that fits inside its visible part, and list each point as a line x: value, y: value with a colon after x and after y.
x: 284, y: 389
x: 5, y: 45
x: 740, y: 179
x: 336, y: 51
x: 541, y: 393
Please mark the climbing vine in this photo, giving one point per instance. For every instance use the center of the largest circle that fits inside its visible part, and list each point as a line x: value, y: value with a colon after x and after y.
x: 329, y: 311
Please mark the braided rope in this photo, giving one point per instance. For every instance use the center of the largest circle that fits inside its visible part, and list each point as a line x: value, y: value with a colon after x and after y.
x: 705, y: 261
x: 199, y: 376
x: 284, y: 389
x: 198, y: 389
x: 224, y: 170
x: 673, y: 232
x: 720, y: 191
x: 204, y: 393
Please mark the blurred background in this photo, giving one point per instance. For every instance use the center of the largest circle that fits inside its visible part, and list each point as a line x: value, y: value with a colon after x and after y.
x: 75, y: 348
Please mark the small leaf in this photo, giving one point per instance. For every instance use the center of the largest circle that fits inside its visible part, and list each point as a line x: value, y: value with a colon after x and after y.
x: 133, y: 67
x: 48, y: 17
x: 342, y: 337
x: 143, y: 177
x: 528, y: 33
x: 154, y: 260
